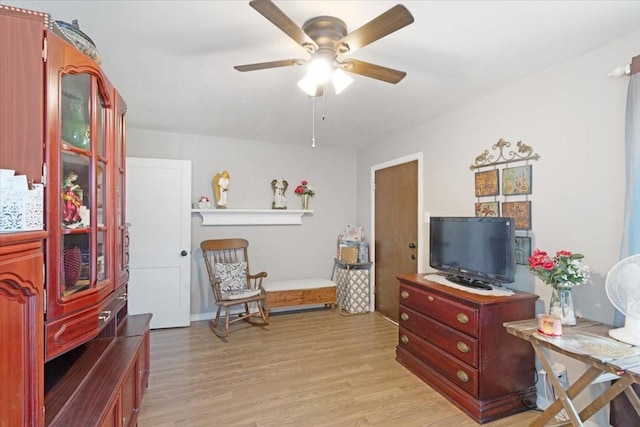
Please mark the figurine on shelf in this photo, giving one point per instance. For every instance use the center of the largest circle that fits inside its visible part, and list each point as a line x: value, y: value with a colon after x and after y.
x: 204, y: 203
x: 221, y: 186
x: 279, y: 186
x: 72, y: 197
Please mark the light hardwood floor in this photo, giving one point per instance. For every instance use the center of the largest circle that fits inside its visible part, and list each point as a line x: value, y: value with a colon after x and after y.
x: 308, y: 368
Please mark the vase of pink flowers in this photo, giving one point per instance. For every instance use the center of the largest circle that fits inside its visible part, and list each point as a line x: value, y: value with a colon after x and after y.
x: 562, y: 272
x: 305, y: 191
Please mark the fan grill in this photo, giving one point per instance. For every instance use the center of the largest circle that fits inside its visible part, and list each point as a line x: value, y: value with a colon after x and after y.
x: 623, y: 286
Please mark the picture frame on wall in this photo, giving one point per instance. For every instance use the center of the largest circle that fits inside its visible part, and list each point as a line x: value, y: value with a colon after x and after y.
x: 487, y: 183
x: 520, y: 211
x: 523, y: 250
x: 516, y: 181
x: 484, y: 209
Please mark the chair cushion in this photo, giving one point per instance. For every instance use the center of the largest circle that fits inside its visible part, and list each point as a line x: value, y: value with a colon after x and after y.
x: 233, y: 280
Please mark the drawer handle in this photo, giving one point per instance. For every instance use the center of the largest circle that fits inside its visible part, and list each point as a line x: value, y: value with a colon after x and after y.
x: 462, y: 375
x: 462, y: 318
x: 404, y: 294
x: 462, y: 347
x: 430, y: 298
x: 104, y: 315
x: 404, y: 316
x: 123, y: 297
x: 404, y: 339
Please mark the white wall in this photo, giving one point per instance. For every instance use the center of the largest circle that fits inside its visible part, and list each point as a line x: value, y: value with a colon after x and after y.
x: 283, y: 251
x: 573, y: 116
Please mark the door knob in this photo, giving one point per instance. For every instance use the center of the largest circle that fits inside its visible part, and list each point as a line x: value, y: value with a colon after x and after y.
x: 412, y: 245
x: 184, y: 253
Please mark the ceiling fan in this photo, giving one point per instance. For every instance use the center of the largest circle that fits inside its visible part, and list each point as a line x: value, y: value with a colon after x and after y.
x: 325, y: 38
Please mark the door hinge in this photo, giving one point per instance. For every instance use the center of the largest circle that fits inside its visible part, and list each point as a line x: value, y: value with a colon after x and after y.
x: 44, y: 174
x: 45, y: 50
x: 44, y: 305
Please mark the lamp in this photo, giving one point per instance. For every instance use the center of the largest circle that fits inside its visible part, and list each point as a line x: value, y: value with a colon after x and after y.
x: 320, y: 69
x: 340, y: 80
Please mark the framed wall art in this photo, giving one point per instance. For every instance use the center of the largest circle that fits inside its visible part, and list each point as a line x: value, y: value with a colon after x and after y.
x: 523, y: 250
x: 487, y: 183
x: 516, y: 180
x: 488, y: 209
x: 520, y: 211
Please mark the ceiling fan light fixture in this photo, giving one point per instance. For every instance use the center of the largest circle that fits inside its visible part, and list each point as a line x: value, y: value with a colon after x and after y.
x: 340, y: 80
x: 320, y: 69
x: 308, y: 85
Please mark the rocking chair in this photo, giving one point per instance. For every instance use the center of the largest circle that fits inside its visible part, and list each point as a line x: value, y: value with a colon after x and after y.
x: 228, y: 268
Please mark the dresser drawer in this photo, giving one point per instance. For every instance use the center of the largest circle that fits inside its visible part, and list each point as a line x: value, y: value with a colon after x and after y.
x: 459, y: 345
x: 459, y: 373
x: 64, y: 334
x: 458, y: 316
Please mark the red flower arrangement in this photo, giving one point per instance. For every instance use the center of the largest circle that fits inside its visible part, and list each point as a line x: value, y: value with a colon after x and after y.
x: 563, y: 271
x: 304, y: 188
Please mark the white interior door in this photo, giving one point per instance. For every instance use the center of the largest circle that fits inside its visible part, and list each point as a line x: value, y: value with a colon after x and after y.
x: 159, y: 211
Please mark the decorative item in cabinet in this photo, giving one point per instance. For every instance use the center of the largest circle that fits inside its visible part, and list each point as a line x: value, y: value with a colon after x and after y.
x: 22, y: 210
x: 75, y: 110
x: 453, y: 340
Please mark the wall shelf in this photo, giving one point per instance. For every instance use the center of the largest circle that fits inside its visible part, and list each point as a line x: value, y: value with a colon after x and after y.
x: 251, y: 216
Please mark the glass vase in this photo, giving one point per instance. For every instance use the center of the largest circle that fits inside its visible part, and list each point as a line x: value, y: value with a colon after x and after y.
x: 561, y: 305
x: 305, y: 202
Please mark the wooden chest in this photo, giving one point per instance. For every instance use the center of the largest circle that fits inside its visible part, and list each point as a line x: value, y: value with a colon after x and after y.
x: 455, y: 342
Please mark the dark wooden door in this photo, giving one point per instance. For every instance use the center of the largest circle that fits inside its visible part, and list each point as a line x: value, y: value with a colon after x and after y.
x: 396, y: 231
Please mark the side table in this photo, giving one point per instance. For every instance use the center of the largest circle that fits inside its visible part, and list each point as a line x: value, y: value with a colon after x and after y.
x: 604, y: 357
x: 352, y: 280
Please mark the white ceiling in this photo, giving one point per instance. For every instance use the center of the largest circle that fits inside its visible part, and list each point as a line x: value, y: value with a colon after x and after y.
x: 173, y: 61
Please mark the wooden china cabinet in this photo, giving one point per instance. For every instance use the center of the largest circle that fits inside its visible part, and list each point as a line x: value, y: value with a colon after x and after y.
x: 69, y: 353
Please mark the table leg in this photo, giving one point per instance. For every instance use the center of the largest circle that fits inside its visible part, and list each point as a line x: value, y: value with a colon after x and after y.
x: 624, y: 383
x: 633, y: 398
x: 564, y: 396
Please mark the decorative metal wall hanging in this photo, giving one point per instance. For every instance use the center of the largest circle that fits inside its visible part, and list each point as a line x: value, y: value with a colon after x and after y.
x: 525, y: 152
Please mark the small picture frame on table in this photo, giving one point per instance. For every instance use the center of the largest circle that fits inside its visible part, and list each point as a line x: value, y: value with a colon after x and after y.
x: 487, y: 183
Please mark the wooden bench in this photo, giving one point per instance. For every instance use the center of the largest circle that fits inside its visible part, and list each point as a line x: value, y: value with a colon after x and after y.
x: 299, y: 292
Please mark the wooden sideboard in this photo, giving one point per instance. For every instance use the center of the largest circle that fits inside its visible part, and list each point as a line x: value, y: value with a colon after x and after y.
x: 69, y: 353
x: 455, y: 342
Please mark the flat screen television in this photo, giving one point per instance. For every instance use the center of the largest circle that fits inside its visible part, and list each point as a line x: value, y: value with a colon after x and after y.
x: 473, y: 251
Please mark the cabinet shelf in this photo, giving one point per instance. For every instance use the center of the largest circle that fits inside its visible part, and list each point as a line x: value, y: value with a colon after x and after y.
x: 251, y: 216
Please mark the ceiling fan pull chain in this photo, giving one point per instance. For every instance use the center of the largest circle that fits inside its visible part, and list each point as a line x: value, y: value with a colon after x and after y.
x: 313, y: 122
x: 323, y: 98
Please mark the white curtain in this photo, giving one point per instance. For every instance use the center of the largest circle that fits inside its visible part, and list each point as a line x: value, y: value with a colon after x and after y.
x: 620, y: 410
x: 631, y: 231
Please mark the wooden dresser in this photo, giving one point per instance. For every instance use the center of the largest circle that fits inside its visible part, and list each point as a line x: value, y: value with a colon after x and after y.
x: 455, y: 342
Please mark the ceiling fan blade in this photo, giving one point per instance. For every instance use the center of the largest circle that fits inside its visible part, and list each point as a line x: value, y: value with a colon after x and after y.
x: 392, y: 20
x: 270, y: 11
x: 378, y: 72
x: 271, y: 64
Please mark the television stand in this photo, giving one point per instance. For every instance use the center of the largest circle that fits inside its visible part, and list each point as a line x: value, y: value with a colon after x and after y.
x: 470, y: 283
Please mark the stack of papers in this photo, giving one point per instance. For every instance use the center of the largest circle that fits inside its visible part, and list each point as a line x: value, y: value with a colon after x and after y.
x: 10, y: 181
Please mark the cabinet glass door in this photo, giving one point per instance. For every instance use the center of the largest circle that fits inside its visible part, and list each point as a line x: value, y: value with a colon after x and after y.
x: 84, y: 165
x: 121, y: 226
